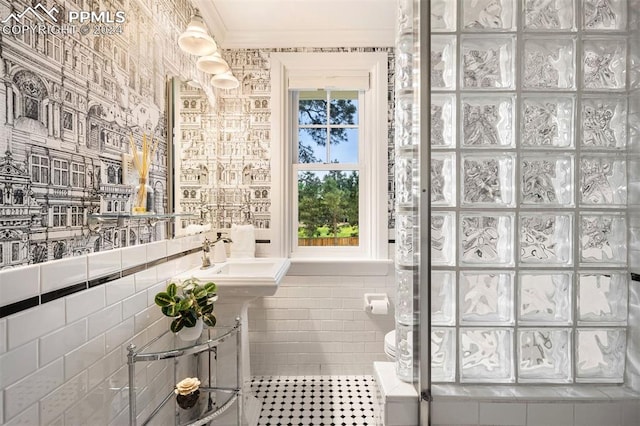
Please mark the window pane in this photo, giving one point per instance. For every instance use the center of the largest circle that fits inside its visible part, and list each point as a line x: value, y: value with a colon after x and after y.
x: 343, y: 108
x: 312, y: 145
x: 344, y: 145
x: 328, y: 208
x: 312, y: 107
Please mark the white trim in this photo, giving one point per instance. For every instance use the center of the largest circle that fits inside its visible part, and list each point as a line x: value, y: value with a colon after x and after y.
x: 283, y: 65
x: 342, y: 267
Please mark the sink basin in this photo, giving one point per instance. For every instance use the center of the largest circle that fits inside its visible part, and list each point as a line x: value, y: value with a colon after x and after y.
x: 244, y: 277
x: 241, y: 281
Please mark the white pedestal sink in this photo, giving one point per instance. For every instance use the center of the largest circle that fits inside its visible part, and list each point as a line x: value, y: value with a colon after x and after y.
x: 239, y: 282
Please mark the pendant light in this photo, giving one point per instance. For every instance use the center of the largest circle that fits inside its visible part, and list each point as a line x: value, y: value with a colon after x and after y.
x: 225, y: 80
x: 212, y: 64
x: 196, y: 39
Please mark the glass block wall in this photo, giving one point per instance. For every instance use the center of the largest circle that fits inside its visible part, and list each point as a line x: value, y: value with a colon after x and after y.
x: 407, y: 180
x: 529, y: 137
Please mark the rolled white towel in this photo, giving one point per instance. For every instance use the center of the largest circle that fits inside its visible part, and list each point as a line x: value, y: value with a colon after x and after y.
x: 193, y: 229
x: 243, y: 241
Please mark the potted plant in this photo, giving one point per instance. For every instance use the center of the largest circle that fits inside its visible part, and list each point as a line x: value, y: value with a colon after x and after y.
x: 190, y: 304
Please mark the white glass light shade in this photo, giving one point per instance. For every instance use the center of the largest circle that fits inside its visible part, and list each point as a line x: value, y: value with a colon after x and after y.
x: 226, y: 80
x: 196, y: 39
x: 212, y: 64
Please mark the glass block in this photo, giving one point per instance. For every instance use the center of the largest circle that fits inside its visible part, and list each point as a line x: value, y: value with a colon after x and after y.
x: 549, y: 63
x: 404, y: 122
x: 405, y: 168
x: 600, y: 355
x: 443, y: 354
x: 486, y: 355
x: 404, y: 353
x: 603, y: 180
x: 604, y: 64
x: 486, y: 239
x: 443, y: 15
x: 545, y: 238
x: 604, y: 14
x: 404, y: 15
x: 443, y: 179
x: 548, y: 15
x: 404, y: 71
x: 488, y: 14
x: 443, y: 298
x: 405, y: 235
x: 443, y: 62
x: 545, y: 298
x: 486, y: 298
x: 604, y: 122
x: 547, y: 121
x: 603, y: 297
x: 487, y: 121
x: 487, y: 63
x: 546, y: 180
x: 544, y: 355
x: 404, y: 296
x: 487, y: 180
x: 603, y: 239
x: 443, y: 121
x: 443, y: 238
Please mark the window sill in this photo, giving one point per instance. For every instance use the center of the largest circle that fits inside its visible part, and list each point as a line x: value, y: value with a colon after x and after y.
x: 342, y: 267
x: 577, y: 393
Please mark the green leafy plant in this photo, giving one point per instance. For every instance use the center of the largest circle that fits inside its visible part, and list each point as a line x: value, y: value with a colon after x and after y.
x: 187, y: 301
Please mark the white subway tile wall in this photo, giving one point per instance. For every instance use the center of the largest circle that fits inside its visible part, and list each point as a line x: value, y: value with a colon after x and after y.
x: 62, y: 273
x: 64, y: 361
x: 317, y: 325
x: 29, y: 279
x: 103, y: 263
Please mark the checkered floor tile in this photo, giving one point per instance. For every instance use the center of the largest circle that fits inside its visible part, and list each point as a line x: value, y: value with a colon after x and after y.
x: 317, y: 400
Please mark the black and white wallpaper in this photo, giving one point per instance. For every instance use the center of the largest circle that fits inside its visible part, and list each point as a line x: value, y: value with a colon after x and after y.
x: 224, y: 162
x: 69, y: 103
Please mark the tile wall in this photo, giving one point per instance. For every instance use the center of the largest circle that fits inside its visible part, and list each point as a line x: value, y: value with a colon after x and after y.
x: 64, y: 361
x: 316, y: 325
x: 594, y: 409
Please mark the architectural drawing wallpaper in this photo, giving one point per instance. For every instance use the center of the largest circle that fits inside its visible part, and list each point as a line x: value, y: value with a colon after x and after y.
x: 224, y: 165
x: 71, y: 99
x: 68, y: 106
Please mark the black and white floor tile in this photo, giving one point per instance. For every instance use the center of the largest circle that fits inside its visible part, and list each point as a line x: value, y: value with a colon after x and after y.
x: 317, y: 400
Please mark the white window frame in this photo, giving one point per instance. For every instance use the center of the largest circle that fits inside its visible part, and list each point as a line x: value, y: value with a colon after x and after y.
x: 324, y: 68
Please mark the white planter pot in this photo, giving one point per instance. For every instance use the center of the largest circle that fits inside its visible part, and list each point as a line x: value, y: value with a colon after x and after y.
x: 189, y: 334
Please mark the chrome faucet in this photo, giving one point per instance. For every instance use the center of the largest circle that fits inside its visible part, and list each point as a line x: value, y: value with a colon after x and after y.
x: 223, y: 239
x: 206, y: 249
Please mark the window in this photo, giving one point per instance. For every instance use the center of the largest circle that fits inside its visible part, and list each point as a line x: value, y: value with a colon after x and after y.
x: 326, y: 167
x: 39, y: 169
x: 60, y: 172
x: 77, y: 216
x: 330, y: 176
x: 53, y: 48
x: 15, y: 252
x: 77, y: 175
x: 67, y: 120
x: 31, y: 107
x: 59, y: 216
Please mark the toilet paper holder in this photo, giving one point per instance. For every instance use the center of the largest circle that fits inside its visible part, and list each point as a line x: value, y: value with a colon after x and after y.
x: 369, y: 298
